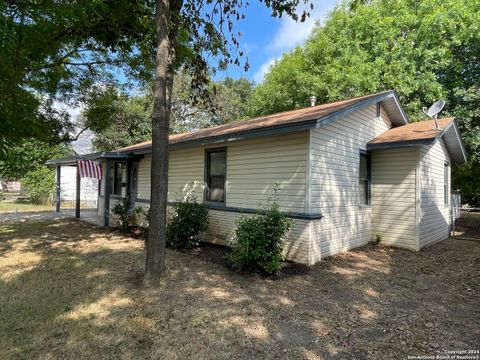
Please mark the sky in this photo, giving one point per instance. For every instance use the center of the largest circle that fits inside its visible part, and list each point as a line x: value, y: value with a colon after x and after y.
x: 264, y: 38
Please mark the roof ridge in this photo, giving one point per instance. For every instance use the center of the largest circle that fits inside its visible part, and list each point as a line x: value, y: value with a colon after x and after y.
x: 289, y: 111
x: 302, y: 111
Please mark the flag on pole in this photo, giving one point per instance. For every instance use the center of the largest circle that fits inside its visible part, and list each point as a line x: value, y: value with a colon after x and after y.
x: 90, y: 169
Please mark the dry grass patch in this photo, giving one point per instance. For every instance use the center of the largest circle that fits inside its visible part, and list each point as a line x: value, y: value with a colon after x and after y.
x: 71, y: 290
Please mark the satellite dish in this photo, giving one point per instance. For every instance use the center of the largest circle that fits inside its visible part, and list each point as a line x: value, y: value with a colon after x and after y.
x: 434, y: 110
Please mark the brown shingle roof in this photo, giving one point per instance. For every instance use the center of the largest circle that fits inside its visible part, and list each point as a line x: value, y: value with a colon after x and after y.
x: 287, y: 117
x: 422, y: 130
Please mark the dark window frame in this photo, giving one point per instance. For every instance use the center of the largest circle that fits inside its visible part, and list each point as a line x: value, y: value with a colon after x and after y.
x: 207, y: 180
x: 446, y: 183
x: 368, y: 179
x: 116, y: 183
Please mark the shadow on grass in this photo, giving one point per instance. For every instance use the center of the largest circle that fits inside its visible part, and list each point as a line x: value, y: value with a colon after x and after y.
x: 72, y: 290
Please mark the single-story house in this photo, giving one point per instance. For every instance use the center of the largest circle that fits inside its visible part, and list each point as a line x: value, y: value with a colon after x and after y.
x: 349, y: 172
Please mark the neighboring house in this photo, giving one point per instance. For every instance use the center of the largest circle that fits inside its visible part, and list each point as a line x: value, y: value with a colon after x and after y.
x: 349, y: 172
x: 10, y: 186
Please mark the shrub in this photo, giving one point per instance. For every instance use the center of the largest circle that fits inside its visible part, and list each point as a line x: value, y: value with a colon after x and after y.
x: 123, y: 212
x: 40, y: 185
x: 258, y: 241
x: 189, y: 219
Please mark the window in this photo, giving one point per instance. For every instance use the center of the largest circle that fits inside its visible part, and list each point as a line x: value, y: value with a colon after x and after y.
x: 117, y: 176
x: 365, y: 178
x: 445, y: 183
x: 216, y: 171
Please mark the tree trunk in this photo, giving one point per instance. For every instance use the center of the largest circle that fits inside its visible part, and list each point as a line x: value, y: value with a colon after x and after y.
x: 155, y: 263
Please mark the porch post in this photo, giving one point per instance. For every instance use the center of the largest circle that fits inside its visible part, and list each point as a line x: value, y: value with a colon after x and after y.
x: 106, y: 205
x: 77, y: 197
x: 57, y: 195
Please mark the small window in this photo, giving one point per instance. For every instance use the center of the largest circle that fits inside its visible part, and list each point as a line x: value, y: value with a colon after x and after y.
x: 117, y: 172
x: 216, y: 171
x: 446, y: 184
x: 365, y: 179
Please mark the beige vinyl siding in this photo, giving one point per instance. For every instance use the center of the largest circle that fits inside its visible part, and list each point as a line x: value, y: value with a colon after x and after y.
x: 300, y: 244
x: 255, y: 165
x: 394, y: 180
x: 143, y: 179
x: 434, y: 214
x: 185, y: 174
x: 334, y: 181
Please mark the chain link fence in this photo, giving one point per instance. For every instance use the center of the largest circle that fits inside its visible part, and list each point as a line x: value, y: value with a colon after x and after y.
x: 466, y: 221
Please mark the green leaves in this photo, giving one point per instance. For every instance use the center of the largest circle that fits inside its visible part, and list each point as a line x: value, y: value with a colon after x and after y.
x: 425, y: 50
x: 40, y: 185
x: 258, y: 241
x: 28, y: 156
x: 190, y: 218
x: 55, y: 51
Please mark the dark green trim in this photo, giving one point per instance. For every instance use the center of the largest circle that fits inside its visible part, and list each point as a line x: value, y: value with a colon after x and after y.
x: 72, y: 160
x: 399, y: 144
x: 107, y: 192
x: 368, y: 156
x: 293, y: 215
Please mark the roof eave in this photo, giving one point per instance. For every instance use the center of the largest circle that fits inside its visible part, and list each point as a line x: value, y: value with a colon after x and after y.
x: 72, y: 160
x: 452, y: 132
x: 399, y: 144
x: 284, y: 128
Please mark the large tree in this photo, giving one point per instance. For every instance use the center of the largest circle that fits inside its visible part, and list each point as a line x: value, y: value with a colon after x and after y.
x: 27, y: 156
x: 116, y: 118
x: 425, y: 50
x: 187, y: 33
x: 51, y: 51
x: 120, y: 119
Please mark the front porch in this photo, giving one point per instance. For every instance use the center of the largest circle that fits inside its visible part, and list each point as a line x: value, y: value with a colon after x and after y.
x: 101, y: 215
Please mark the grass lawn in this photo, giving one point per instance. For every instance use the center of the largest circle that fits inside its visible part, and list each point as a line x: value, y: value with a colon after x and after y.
x: 71, y: 290
x: 23, y: 206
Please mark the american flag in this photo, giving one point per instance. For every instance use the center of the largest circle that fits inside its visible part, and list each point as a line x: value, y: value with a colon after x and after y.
x: 90, y: 169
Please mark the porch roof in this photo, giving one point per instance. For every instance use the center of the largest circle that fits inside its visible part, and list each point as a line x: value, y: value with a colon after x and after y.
x: 72, y: 160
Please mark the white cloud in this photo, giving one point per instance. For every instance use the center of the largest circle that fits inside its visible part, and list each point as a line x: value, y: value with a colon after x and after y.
x: 292, y: 33
x: 260, y: 73
x: 83, y: 145
x: 72, y: 111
